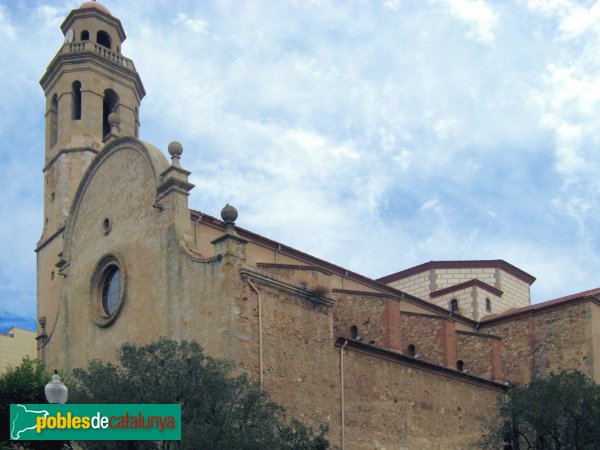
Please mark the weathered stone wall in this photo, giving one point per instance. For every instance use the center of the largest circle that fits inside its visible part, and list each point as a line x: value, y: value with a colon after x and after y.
x: 365, y: 311
x: 432, y: 336
x: 595, y: 340
x: 49, y: 282
x: 168, y: 292
x: 480, y: 354
x: 517, y: 339
x: 549, y: 341
x: 315, y: 280
x: 300, y: 368
x: 391, y: 405
x: 562, y: 340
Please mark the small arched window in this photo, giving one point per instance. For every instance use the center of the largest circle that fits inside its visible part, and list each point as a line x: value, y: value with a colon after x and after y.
x: 412, y: 350
x: 76, y: 106
x: 488, y: 305
x: 454, y: 305
x: 110, y: 104
x: 85, y: 35
x: 460, y: 365
x: 53, y: 113
x: 103, y: 39
x: 354, y: 332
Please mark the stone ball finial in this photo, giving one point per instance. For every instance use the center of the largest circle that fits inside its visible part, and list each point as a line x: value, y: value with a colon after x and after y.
x: 229, y: 214
x: 114, y: 118
x: 175, y: 149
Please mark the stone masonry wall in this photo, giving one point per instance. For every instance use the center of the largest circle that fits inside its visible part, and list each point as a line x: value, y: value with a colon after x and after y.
x: 464, y: 298
x: 558, y: 338
x: 418, y: 285
x: 480, y: 354
x: 449, y: 277
x: 300, y: 368
x: 516, y: 291
x: 595, y: 340
x: 432, y: 336
x: 562, y: 341
x: 517, y: 338
x: 390, y: 405
x: 366, y: 312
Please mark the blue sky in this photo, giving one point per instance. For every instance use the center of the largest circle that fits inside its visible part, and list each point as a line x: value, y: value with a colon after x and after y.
x: 374, y: 134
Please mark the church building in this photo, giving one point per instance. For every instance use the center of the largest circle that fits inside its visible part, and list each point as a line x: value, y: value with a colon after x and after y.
x: 414, y: 360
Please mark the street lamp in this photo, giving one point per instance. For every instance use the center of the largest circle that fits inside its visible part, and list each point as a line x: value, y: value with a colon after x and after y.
x: 55, y: 390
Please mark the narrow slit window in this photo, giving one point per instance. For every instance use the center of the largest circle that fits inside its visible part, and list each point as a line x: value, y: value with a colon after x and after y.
x: 53, y: 113
x: 76, y: 107
x: 488, y: 305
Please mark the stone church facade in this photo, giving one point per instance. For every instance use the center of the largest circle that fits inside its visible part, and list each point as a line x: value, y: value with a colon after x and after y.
x: 414, y: 360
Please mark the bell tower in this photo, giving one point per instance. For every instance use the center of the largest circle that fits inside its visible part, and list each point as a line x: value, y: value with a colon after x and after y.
x: 93, y: 95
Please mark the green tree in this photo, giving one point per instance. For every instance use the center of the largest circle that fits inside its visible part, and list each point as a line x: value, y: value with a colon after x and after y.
x: 219, y: 410
x: 24, y: 384
x: 561, y: 412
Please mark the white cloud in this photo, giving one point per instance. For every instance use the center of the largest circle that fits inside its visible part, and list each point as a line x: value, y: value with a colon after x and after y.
x: 431, y: 204
x: 394, y: 5
x: 196, y: 25
x: 550, y: 7
x: 446, y: 128
x: 6, y: 27
x: 475, y: 13
x: 580, y: 20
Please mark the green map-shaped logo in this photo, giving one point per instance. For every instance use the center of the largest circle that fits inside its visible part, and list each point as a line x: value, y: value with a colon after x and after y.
x: 23, y: 420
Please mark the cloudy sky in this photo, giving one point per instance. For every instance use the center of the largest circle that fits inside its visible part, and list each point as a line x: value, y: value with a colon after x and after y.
x: 374, y: 134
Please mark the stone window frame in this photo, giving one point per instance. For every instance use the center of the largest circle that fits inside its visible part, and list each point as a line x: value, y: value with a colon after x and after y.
x: 103, y: 269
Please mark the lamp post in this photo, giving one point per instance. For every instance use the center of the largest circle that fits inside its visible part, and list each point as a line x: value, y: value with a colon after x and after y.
x: 55, y: 390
